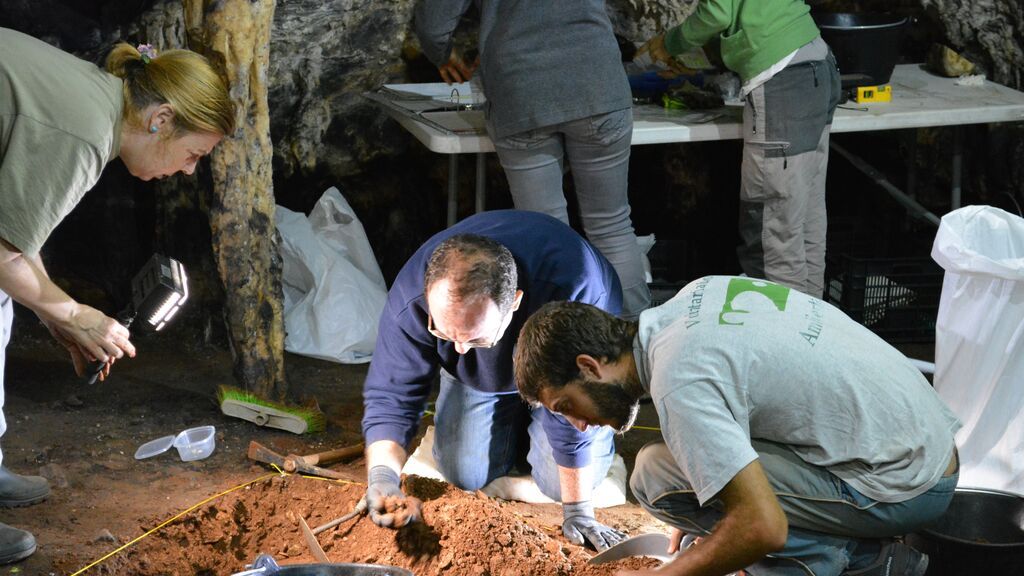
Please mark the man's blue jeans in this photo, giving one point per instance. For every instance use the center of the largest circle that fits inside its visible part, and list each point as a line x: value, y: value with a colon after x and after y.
x: 477, y: 436
x: 597, y: 148
x: 832, y: 526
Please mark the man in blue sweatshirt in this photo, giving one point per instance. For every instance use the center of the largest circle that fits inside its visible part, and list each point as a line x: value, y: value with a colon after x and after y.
x: 454, y: 312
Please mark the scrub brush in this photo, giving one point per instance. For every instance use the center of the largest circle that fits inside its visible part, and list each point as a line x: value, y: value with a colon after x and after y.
x: 261, y: 412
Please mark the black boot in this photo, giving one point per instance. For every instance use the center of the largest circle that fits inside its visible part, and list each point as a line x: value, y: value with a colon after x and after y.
x: 17, y: 490
x: 15, y: 544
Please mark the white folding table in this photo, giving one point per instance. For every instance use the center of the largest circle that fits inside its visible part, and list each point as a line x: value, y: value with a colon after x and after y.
x: 919, y: 99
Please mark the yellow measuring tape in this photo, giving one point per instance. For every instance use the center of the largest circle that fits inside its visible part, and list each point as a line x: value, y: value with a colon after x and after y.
x: 191, y: 508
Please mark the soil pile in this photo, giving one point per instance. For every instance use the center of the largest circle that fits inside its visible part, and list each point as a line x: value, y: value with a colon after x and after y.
x: 461, y: 534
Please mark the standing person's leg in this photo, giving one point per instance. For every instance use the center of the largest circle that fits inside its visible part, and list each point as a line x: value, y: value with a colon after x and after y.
x: 598, y: 149
x: 476, y: 434
x: 534, y: 165
x: 782, y: 189
x: 15, y: 544
x: 816, y: 224
x: 815, y: 217
x: 544, y: 469
x: 832, y: 527
x: 771, y: 218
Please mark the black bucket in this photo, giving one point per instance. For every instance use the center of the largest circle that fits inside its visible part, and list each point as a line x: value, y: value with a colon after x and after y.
x: 982, y: 532
x: 342, y: 569
x: 866, y: 46
x: 265, y: 565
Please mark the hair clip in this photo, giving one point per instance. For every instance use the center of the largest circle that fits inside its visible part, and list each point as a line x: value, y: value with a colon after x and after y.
x: 147, y: 52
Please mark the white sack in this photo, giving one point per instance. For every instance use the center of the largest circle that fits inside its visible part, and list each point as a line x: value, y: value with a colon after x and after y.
x: 979, y: 342
x: 334, y: 292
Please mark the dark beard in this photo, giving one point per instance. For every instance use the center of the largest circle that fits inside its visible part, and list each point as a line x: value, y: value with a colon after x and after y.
x: 613, y: 403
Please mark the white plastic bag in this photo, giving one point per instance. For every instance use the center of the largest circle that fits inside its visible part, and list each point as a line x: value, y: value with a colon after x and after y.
x: 979, y: 342
x: 334, y: 292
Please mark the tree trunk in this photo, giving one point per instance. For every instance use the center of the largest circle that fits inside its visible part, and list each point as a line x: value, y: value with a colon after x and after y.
x: 235, y: 35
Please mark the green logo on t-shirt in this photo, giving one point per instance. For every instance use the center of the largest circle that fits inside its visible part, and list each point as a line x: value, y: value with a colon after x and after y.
x: 752, y: 291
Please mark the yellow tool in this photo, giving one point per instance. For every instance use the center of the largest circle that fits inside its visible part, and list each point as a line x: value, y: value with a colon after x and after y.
x: 873, y: 94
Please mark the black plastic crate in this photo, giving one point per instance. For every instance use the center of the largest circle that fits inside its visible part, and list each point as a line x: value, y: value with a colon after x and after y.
x: 896, y: 298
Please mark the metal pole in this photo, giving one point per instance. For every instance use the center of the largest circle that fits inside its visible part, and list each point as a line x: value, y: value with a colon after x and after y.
x: 909, y: 203
x: 958, y: 166
x: 453, y: 188
x: 481, y: 181
x: 912, y: 166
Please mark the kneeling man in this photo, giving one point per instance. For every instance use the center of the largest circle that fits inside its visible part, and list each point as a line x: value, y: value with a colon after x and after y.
x: 794, y: 440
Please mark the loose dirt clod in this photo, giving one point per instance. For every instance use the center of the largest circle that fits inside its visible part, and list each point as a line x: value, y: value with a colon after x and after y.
x: 460, y: 534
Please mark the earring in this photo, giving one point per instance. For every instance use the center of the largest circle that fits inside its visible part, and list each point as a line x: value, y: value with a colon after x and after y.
x: 153, y: 128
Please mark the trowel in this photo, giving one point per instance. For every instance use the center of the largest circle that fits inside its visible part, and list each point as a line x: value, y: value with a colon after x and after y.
x: 654, y: 545
x: 312, y: 542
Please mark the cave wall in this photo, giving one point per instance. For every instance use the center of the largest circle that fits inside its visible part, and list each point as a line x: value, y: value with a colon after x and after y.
x: 326, y: 53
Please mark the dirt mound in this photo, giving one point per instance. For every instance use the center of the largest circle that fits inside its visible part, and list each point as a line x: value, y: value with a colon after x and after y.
x: 461, y: 534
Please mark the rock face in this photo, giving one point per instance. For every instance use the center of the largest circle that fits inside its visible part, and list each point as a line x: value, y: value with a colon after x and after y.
x: 993, y: 29
x: 323, y: 56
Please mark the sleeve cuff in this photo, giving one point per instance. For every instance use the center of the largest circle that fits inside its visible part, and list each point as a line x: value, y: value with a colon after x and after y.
x: 392, y: 432
x: 675, y: 43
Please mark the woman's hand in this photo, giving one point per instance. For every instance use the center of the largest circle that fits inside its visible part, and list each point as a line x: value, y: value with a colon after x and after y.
x: 89, y: 335
x: 456, y: 70
x: 656, y: 51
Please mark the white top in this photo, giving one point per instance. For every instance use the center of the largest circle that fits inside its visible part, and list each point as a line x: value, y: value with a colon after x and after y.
x: 919, y: 99
x: 730, y: 359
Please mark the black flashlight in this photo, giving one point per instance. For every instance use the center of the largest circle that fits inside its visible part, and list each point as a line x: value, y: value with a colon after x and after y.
x: 158, y: 292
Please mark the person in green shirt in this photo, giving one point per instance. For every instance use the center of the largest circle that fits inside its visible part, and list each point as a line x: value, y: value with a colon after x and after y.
x: 791, y: 89
x: 62, y: 120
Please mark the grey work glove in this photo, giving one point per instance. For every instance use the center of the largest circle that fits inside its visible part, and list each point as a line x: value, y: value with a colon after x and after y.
x: 386, y: 504
x: 581, y: 527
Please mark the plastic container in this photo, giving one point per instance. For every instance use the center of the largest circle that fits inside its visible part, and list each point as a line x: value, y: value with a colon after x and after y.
x: 192, y: 444
x: 195, y: 443
x: 866, y: 45
x: 154, y: 447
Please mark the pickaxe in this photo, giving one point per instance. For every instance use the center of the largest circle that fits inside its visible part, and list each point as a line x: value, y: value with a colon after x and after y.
x: 298, y: 464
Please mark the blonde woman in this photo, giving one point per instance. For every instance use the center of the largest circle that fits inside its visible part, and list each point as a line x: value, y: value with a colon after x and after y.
x: 61, y: 121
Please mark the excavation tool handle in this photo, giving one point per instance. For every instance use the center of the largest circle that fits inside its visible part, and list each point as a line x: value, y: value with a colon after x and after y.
x: 291, y: 462
x: 92, y: 372
x: 359, y: 509
x: 261, y: 453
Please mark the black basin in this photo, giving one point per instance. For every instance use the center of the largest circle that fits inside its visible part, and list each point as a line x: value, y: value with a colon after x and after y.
x: 341, y: 570
x: 866, y: 46
x: 982, y: 532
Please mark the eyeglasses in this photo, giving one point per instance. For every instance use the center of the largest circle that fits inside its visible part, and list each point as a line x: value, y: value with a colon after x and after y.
x: 471, y: 344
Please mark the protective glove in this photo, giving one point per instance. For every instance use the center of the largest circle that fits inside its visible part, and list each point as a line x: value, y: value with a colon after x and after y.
x: 581, y: 527
x: 386, y: 504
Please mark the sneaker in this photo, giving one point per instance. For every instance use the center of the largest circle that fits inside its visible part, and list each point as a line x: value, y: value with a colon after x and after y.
x: 17, y: 490
x: 15, y: 544
x: 895, y: 559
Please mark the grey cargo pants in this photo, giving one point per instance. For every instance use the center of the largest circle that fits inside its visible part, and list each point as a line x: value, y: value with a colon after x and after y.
x: 782, y: 222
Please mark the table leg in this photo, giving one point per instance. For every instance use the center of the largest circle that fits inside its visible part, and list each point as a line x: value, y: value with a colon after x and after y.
x: 912, y: 164
x: 958, y: 166
x: 909, y: 203
x: 481, y: 181
x: 453, y: 188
